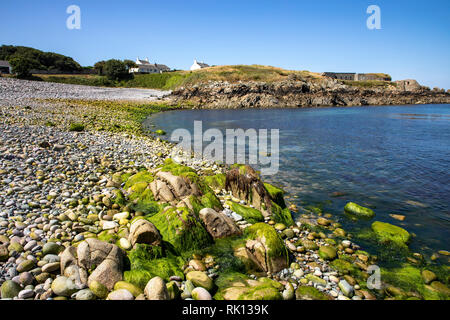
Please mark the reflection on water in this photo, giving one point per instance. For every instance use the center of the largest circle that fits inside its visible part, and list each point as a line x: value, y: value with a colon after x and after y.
x: 394, y: 159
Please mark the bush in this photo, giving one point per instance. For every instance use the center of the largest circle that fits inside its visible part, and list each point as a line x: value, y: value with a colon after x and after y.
x: 22, y: 66
x: 116, y: 70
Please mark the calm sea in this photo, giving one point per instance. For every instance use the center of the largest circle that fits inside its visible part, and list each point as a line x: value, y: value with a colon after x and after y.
x: 394, y: 159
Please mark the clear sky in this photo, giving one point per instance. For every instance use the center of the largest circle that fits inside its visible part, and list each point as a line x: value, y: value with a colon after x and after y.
x: 321, y: 35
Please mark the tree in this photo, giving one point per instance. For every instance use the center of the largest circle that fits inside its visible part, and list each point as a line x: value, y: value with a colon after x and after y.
x: 22, y: 66
x: 130, y: 64
x: 45, y: 60
x: 116, y: 70
x: 99, y: 66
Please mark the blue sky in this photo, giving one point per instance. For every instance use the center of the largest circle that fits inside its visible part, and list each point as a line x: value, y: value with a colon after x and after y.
x: 325, y: 35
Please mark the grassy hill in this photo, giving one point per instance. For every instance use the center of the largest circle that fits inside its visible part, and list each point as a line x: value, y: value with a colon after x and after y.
x: 176, y: 79
x: 42, y: 60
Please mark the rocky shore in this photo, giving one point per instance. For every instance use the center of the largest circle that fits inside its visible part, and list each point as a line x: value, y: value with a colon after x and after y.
x: 301, y: 93
x: 113, y: 215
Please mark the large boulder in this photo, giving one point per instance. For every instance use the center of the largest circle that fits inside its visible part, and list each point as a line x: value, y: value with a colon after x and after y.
x: 143, y: 231
x: 266, y: 248
x: 218, y: 224
x: 105, y: 257
x: 244, y: 183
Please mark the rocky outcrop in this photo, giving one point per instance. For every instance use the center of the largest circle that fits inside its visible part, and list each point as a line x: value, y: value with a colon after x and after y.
x: 324, y: 92
x: 245, y: 183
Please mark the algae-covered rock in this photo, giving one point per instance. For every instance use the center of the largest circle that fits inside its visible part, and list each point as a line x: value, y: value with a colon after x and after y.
x: 251, y: 215
x: 10, y: 289
x: 428, y: 276
x: 281, y: 215
x: 237, y: 286
x: 387, y: 232
x: 200, y: 279
x: 358, y: 210
x: 276, y: 194
x: 134, y: 290
x: 441, y: 288
x: 266, y: 248
x: 173, y: 290
x: 409, y: 279
x: 327, y: 252
x: 181, y: 228
x: 310, y: 293
x: 98, y: 289
x: 216, y: 182
x: 149, y: 261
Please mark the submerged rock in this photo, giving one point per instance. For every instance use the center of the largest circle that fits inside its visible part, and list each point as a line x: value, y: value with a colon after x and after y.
x: 358, y: 210
x: 387, y: 232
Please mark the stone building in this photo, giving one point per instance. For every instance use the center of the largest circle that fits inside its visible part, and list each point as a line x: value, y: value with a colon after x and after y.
x: 408, y: 85
x: 357, y: 76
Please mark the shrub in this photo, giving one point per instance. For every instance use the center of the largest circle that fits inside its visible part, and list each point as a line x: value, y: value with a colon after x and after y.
x: 116, y: 70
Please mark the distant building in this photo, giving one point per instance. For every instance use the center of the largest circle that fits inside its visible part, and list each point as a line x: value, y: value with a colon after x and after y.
x: 357, y: 76
x: 144, y: 66
x: 408, y: 85
x: 198, y: 65
x: 5, y: 67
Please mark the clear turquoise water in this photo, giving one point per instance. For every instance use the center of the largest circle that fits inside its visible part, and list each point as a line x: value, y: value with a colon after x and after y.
x: 395, y: 159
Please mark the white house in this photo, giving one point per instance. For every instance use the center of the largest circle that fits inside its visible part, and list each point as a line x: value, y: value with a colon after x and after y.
x: 144, y: 66
x: 198, y: 65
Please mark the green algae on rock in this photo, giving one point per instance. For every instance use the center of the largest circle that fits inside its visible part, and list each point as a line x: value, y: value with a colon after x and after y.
x: 181, y: 228
x: 237, y: 286
x: 272, y: 254
x: 276, y: 194
x: 387, y: 232
x: 309, y: 293
x: 359, y: 211
x: 251, y: 215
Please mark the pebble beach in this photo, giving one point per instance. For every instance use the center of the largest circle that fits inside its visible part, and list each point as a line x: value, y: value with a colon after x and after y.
x: 76, y: 219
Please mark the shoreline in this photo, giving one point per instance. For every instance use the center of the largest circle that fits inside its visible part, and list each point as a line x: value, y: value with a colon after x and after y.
x: 112, y: 162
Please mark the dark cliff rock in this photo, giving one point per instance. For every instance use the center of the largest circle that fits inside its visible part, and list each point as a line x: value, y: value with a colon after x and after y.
x: 303, y: 94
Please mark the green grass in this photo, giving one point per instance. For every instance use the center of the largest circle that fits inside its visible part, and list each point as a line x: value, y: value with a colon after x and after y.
x: 175, y: 79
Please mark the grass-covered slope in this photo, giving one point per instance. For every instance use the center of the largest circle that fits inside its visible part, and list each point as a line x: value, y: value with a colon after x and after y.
x: 176, y: 79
